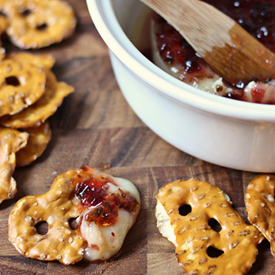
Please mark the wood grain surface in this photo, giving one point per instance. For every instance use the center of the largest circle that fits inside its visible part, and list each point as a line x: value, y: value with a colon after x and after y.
x: 95, y: 126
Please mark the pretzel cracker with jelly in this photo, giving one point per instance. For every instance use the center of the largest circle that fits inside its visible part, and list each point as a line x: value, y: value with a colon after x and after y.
x: 56, y: 207
x: 105, y: 208
x: 200, y: 248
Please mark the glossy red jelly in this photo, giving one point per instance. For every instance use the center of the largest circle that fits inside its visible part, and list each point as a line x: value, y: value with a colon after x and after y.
x: 95, y: 192
x: 173, y: 47
x: 256, y: 16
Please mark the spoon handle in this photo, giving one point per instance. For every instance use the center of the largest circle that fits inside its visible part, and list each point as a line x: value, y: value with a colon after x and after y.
x: 225, y: 46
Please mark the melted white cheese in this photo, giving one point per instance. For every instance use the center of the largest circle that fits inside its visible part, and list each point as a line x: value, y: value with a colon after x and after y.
x: 106, y: 241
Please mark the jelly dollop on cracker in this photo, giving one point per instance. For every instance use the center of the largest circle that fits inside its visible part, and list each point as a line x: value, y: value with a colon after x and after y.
x: 104, y: 207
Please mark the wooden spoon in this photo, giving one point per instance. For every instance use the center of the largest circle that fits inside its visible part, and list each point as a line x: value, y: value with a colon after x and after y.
x: 228, y: 49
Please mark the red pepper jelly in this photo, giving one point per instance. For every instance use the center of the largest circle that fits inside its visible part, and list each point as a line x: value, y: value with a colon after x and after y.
x: 255, y: 16
x: 174, y: 48
x: 94, y: 193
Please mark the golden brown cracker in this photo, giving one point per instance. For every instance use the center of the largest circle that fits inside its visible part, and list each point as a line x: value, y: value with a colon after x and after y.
x: 5, y: 14
x: 3, y: 24
x: 39, y: 60
x: 2, y: 51
x: 21, y: 85
x: 39, y: 137
x: 98, y: 201
x: 259, y: 201
x: 11, y: 141
x: 56, y: 207
x: 46, y: 106
x: 36, y: 24
x: 195, y: 238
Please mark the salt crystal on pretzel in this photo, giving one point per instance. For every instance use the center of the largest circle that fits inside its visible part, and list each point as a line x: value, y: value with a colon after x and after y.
x: 91, y: 196
x: 185, y: 211
x: 21, y: 85
x: 11, y: 141
x: 46, y: 106
x: 39, y: 60
x: 39, y: 137
x: 36, y: 24
x: 259, y: 201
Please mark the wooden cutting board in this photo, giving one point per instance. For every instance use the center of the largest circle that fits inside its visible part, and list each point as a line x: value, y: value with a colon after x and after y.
x: 95, y: 126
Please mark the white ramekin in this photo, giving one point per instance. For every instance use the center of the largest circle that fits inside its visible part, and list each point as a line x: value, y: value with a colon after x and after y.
x: 226, y: 132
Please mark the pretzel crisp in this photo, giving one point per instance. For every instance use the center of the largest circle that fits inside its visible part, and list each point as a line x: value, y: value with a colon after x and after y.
x: 2, y: 50
x: 46, y: 106
x: 56, y: 207
x: 39, y: 60
x: 36, y: 24
x: 259, y: 201
x: 39, y: 137
x: 3, y: 24
x: 5, y: 9
x: 29, y: 85
x: 195, y: 238
x: 91, y: 196
x: 11, y: 141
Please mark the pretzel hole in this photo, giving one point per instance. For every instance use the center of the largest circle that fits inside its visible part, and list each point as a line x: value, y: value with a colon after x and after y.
x: 42, y: 228
x: 215, y: 225
x: 184, y: 210
x: 213, y: 252
x: 42, y: 27
x: 2, y: 14
x: 12, y: 80
x: 25, y: 12
x: 73, y: 223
